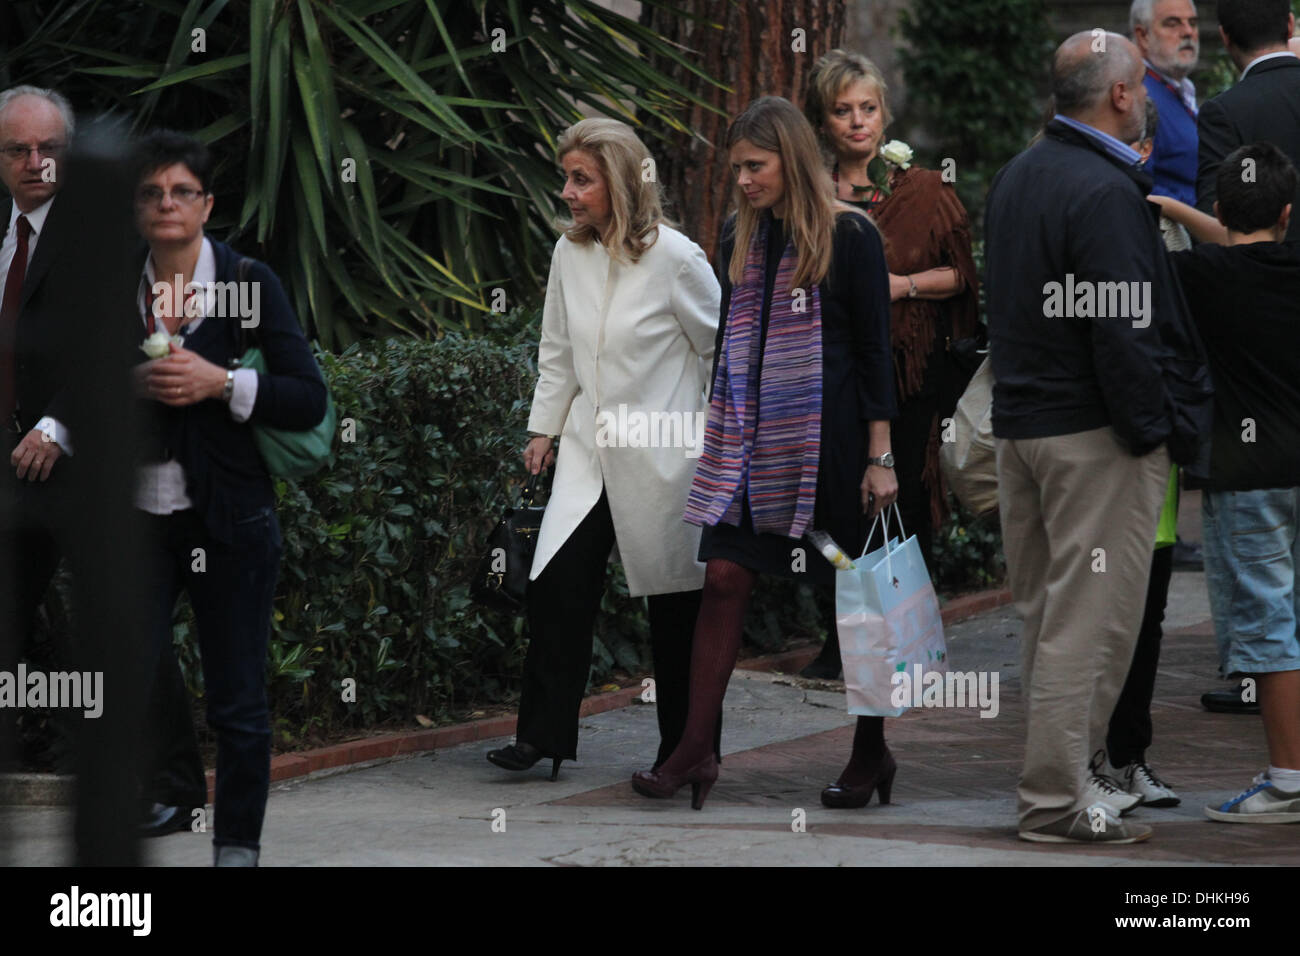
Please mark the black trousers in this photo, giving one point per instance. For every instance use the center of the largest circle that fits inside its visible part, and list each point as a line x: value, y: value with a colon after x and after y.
x: 562, y: 607
x: 29, y: 557
x: 909, y: 436
x: 176, y: 777
x: 33, y: 537
x: 1129, y: 734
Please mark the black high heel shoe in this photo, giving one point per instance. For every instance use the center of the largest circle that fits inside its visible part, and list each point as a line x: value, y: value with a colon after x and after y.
x: 522, y: 756
x: 821, y: 670
x: 827, y: 664
x: 838, y: 797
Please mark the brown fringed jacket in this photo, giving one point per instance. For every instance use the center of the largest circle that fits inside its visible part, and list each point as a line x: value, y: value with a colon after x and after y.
x: 925, y: 227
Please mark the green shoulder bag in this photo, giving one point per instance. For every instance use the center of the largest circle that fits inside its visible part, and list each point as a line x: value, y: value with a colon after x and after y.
x: 287, y: 453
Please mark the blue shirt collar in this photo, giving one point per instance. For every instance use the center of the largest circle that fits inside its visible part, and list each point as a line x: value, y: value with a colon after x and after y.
x: 1125, y: 153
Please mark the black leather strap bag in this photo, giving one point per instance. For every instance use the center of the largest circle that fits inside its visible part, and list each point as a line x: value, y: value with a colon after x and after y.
x: 501, y: 580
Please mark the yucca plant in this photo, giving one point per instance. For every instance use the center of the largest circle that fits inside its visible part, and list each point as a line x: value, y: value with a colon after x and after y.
x: 392, y: 159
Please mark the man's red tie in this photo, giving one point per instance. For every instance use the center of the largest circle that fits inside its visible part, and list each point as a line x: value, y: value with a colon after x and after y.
x: 9, y: 322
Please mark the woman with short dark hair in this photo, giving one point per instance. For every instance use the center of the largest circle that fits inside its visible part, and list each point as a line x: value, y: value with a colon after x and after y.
x: 202, y: 481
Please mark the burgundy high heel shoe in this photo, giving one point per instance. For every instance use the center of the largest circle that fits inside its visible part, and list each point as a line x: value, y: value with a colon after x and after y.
x: 837, y: 797
x: 661, y: 785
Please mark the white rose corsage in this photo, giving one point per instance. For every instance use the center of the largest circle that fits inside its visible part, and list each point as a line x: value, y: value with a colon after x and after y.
x: 156, y: 345
x: 898, y: 153
x: 895, y: 153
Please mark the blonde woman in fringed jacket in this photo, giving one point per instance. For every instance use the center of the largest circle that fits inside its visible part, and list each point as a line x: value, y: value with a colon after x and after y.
x: 626, y: 350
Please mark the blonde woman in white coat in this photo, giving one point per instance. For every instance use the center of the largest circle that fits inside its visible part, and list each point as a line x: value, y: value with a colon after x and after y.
x: 626, y: 352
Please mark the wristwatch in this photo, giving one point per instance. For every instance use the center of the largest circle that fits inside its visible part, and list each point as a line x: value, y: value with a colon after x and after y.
x: 912, y: 292
x: 228, y: 392
x: 884, y: 461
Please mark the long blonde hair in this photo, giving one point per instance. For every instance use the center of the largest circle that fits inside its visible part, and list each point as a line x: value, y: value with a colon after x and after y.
x: 775, y: 124
x: 635, y: 201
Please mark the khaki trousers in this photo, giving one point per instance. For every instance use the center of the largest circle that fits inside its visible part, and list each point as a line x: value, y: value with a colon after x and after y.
x: 1079, y: 517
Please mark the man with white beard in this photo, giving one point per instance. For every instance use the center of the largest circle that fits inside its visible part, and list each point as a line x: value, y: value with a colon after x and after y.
x: 1165, y: 32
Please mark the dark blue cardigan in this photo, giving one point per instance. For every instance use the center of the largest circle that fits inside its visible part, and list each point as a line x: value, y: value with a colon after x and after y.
x: 225, y: 477
x: 1173, y: 155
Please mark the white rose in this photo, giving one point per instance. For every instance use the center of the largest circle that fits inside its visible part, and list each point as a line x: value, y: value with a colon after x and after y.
x: 156, y: 345
x: 897, y: 152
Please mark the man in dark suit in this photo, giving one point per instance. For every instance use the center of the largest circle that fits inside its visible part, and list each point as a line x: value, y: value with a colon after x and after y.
x: 42, y: 281
x: 1265, y: 103
x: 35, y: 275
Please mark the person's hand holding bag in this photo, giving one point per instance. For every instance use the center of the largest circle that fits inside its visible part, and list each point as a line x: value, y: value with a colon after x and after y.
x: 539, y: 454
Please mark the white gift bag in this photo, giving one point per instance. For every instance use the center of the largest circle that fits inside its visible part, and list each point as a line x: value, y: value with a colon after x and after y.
x: 888, y: 619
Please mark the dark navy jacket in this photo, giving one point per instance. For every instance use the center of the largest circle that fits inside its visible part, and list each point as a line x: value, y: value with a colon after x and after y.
x: 224, y: 474
x: 1066, y: 211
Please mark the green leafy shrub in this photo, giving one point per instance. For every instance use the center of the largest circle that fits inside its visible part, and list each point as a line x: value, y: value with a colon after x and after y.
x: 967, y: 553
x: 379, y: 549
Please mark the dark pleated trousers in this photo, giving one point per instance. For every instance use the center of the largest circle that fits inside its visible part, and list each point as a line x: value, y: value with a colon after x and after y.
x: 562, y: 605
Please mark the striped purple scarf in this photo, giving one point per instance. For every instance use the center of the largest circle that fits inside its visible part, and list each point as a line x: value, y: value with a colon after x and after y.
x: 767, y: 443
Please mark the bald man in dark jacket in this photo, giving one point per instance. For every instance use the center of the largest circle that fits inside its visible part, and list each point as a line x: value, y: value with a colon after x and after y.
x: 1099, y: 380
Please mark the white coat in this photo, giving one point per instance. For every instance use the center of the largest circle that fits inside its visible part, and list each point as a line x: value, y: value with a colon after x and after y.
x: 624, y: 365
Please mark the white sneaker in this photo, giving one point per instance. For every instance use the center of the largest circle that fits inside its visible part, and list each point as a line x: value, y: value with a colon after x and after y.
x: 1261, y: 802
x: 1140, y: 779
x: 1103, y: 790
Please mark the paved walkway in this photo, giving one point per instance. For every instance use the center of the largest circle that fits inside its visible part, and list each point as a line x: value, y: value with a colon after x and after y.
x: 783, y: 740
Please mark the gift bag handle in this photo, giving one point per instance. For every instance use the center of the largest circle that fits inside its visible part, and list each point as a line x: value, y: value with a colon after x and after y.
x: 902, y: 536
x: 883, y: 513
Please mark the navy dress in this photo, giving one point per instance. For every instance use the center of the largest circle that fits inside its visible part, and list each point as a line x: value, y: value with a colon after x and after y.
x: 857, y: 387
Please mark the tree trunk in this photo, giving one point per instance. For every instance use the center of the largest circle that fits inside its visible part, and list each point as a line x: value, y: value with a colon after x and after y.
x: 752, y: 47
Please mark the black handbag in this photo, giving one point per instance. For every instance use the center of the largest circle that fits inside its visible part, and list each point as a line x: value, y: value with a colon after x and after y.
x: 501, y: 580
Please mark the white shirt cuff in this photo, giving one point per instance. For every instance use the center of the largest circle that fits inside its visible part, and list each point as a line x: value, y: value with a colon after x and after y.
x: 56, y: 433
x: 244, y: 395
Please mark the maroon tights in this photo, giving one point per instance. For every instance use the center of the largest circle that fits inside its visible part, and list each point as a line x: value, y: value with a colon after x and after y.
x: 727, y: 589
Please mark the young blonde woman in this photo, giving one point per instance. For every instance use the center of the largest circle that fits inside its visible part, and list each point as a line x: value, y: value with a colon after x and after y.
x: 798, y: 432
x: 627, y: 335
